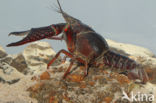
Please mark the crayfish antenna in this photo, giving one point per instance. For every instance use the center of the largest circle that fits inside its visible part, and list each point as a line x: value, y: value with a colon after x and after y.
x: 69, y: 19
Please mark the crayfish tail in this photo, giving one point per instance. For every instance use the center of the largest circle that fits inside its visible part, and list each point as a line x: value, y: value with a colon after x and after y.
x: 116, y: 60
x: 138, y: 73
x: 123, y: 63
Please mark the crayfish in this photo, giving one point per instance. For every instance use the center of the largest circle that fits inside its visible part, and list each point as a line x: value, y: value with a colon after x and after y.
x: 84, y: 45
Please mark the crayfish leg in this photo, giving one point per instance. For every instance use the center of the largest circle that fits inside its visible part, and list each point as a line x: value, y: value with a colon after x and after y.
x: 67, y: 54
x: 71, y: 63
x: 57, y: 55
x: 68, y: 70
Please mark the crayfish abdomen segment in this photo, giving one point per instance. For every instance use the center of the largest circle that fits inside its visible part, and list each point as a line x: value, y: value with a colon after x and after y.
x: 135, y: 70
x: 116, y: 60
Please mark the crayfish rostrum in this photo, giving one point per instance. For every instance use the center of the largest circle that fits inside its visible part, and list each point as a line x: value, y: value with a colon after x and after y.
x: 84, y: 45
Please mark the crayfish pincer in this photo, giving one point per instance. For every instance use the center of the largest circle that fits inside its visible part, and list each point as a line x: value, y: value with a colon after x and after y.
x: 84, y: 45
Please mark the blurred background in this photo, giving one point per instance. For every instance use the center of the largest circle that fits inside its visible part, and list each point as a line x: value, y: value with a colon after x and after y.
x: 126, y: 21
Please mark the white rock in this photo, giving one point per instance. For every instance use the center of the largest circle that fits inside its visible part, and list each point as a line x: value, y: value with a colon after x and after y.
x: 135, y: 51
x: 9, y: 73
x: 2, y: 53
x: 13, y: 85
x: 16, y: 93
x: 1, y: 49
x: 147, y: 89
x: 37, y: 56
x: 131, y: 49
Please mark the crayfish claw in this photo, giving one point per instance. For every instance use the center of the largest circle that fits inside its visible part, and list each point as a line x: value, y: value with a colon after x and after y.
x: 21, y: 33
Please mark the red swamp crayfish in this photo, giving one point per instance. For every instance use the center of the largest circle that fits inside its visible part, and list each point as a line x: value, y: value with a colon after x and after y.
x: 84, y: 45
